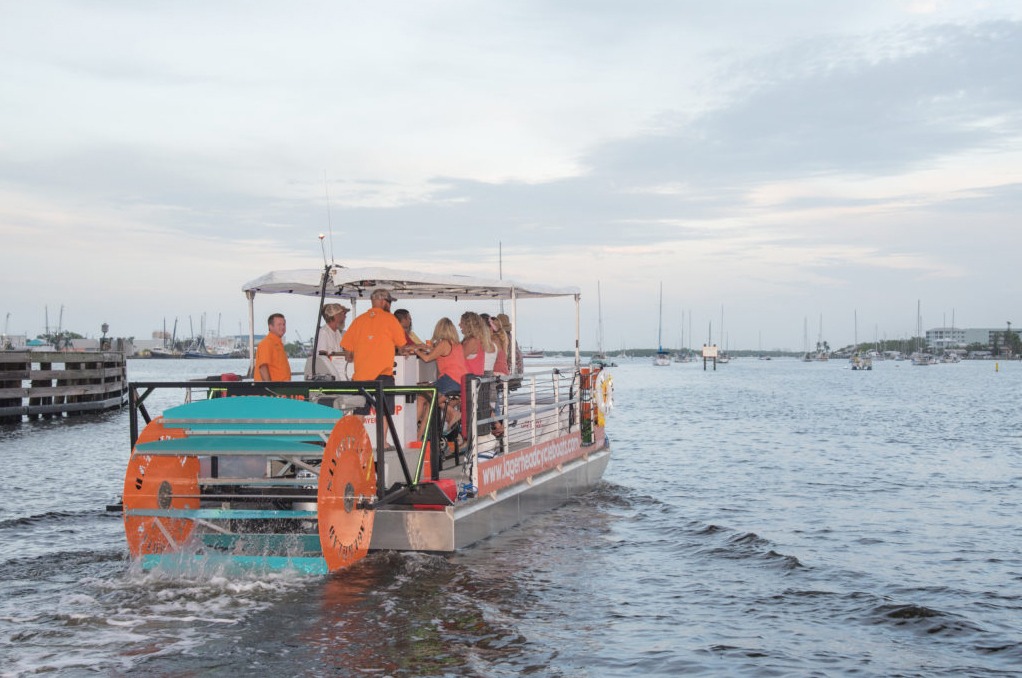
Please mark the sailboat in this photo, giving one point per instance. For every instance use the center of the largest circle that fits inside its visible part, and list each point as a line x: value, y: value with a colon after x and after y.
x: 684, y: 355
x: 822, y: 353
x: 662, y: 357
x: 822, y: 347
x: 920, y: 356
x: 722, y: 357
x: 599, y: 358
x: 807, y: 357
x: 858, y: 361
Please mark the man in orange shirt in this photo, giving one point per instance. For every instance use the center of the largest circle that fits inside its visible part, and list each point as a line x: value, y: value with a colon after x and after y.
x: 271, y: 359
x: 373, y: 339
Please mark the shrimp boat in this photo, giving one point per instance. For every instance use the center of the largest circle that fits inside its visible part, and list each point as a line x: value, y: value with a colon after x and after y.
x: 282, y: 475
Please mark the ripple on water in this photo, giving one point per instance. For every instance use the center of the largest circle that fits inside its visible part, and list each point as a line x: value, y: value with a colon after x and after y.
x: 770, y: 518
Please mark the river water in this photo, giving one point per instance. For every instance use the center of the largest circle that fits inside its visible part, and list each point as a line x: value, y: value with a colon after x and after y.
x: 768, y: 518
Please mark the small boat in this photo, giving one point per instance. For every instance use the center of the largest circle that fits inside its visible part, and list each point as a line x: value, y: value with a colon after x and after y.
x: 859, y: 361
x: 212, y: 355
x: 219, y: 353
x: 283, y: 475
x: 532, y: 353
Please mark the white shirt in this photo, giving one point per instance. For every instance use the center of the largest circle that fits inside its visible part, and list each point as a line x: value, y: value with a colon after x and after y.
x: 329, y: 340
x: 489, y: 360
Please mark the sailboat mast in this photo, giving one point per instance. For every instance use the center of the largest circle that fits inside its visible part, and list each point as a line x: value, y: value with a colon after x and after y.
x: 919, y: 324
x: 660, y: 322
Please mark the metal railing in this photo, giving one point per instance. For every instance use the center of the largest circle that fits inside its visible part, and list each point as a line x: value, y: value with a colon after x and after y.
x: 505, y: 413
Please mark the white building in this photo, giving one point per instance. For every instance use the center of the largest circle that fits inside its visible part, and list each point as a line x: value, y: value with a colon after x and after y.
x: 942, y: 338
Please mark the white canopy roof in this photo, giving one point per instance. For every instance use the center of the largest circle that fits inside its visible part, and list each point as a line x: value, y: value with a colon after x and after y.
x: 358, y: 283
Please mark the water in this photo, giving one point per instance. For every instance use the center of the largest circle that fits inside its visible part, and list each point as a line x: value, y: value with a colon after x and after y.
x: 769, y: 518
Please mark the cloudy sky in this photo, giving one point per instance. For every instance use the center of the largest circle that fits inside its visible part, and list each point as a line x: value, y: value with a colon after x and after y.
x: 772, y: 163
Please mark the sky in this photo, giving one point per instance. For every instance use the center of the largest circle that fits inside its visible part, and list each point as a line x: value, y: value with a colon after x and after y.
x: 784, y: 169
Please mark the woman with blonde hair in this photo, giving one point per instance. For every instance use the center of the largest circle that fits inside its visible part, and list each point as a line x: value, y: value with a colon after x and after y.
x: 446, y: 351
x: 448, y: 354
x: 477, y: 342
x: 500, y: 340
x: 480, y: 358
x: 505, y: 326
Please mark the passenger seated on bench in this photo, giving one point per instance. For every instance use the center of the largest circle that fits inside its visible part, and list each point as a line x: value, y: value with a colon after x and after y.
x: 500, y: 340
x: 405, y: 318
x: 479, y: 350
x: 446, y: 351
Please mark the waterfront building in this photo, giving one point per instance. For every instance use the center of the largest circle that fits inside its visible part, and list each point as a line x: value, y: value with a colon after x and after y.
x: 944, y: 338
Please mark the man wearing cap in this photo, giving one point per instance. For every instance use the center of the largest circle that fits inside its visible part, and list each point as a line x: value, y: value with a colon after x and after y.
x: 271, y: 359
x: 328, y: 341
x: 373, y: 339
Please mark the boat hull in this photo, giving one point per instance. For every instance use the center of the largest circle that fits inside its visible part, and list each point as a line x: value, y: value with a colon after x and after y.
x: 468, y: 522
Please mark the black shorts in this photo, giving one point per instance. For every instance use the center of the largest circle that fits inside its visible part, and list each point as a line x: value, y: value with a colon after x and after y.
x: 388, y: 380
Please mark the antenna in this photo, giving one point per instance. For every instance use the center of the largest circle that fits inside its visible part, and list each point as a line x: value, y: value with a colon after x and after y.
x: 329, y: 223
x: 323, y: 249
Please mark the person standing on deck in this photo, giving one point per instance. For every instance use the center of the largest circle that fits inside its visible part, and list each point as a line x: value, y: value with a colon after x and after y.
x: 271, y: 359
x: 329, y: 341
x: 372, y: 341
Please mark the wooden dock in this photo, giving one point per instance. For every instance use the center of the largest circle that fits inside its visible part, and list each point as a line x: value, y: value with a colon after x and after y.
x: 56, y: 384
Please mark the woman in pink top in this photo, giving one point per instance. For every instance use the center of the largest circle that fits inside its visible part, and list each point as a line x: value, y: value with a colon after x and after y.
x: 446, y: 351
x: 476, y: 343
x: 479, y: 350
x: 448, y: 354
x: 500, y: 366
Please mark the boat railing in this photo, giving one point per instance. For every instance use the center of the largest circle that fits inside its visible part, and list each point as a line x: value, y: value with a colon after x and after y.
x: 342, y: 396
x: 505, y: 413
x: 520, y: 411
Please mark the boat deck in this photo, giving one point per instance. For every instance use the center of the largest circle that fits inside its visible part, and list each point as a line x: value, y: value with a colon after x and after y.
x: 470, y: 519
